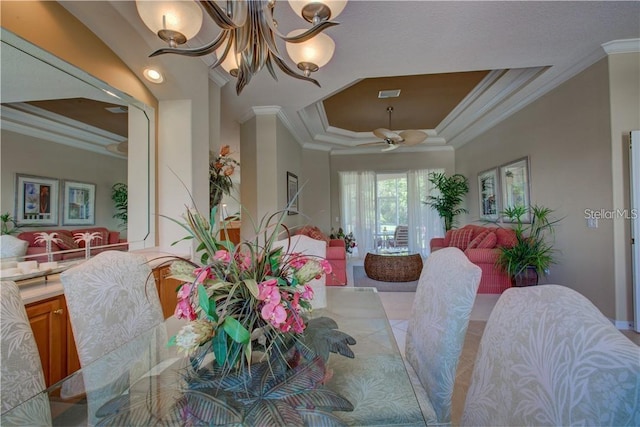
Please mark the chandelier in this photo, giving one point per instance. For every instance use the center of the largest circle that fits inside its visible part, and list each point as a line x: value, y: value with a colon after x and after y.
x: 247, y: 39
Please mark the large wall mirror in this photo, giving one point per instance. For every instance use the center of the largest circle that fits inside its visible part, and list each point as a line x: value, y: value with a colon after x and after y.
x: 63, y: 125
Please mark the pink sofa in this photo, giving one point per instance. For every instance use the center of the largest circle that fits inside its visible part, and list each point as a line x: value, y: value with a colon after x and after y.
x: 480, y: 246
x: 70, y: 249
x: 336, y: 254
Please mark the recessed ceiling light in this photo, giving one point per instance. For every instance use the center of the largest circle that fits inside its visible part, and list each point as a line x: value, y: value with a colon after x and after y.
x: 153, y: 75
x: 392, y: 93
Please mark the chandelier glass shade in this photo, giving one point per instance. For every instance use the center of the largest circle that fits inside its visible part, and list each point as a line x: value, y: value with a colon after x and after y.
x: 247, y: 40
x: 173, y: 21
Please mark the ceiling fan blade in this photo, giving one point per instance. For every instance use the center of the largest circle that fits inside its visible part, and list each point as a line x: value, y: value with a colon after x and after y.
x: 372, y: 143
x: 413, y: 137
x: 383, y: 133
x: 391, y: 147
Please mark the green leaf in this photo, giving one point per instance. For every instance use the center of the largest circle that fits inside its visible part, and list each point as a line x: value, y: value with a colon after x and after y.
x: 252, y: 285
x: 236, y: 331
x: 207, y: 305
x: 219, y: 342
x: 172, y: 341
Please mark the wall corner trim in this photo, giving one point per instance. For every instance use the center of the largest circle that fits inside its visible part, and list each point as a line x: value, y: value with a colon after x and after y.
x: 622, y: 46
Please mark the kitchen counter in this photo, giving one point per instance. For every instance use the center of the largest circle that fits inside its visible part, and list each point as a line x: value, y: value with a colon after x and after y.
x: 41, y: 288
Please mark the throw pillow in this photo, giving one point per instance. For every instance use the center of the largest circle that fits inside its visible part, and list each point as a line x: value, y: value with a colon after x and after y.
x: 506, y: 237
x: 460, y: 238
x: 315, y: 233
x: 479, y: 238
x: 66, y: 242
x: 489, y: 241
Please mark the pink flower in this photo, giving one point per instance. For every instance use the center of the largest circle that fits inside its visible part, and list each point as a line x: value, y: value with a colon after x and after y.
x: 295, y: 304
x: 274, y: 313
x: 298, y: 261
x: 326, y: 266
x: 268, y: 291
x: 184, y: 310
x: 222, y: 255
x: 294, y: 322
x: 308, y: 292
x: 202, y: 273
x: 185, y: 291
x: 243, y: 261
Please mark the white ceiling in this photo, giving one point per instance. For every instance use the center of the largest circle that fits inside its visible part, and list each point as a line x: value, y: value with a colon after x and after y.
x: 532, y: 46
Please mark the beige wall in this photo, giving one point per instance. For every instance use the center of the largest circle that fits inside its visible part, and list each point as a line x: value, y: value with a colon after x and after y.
x: 384, y: 162
x: 32, y: 156
x: 316, y: 194
x: 567, y: 136
x: 289, y: 154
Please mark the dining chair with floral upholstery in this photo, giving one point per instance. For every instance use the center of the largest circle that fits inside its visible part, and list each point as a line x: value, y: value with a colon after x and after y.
x: 21, y: 375
x: 548, y: 356
x: 437, y: 326
x: 112, y: 300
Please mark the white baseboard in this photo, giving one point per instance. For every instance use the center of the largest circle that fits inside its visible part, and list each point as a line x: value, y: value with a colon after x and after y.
x: 623, y: 325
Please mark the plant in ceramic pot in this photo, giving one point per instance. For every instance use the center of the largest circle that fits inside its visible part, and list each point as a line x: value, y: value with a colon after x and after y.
x: 452, y: 191
x: 533, y: 252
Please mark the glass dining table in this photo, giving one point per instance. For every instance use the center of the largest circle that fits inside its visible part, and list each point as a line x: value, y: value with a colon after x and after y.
x: 375, y: 381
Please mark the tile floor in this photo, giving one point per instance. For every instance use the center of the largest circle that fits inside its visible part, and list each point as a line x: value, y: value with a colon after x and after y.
x: 398, y: 308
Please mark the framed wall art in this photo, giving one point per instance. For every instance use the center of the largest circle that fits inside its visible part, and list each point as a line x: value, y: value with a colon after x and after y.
x: 79, y: 203
x: 514, y: 179
x: 488, y: 193
x: 36, y: 200
x: 292, y: 194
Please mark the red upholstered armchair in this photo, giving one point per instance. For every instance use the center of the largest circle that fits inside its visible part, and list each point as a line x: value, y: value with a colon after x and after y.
x: 336, y: 254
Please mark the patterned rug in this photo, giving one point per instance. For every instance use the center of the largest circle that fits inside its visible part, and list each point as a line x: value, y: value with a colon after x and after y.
x: 360, y: 280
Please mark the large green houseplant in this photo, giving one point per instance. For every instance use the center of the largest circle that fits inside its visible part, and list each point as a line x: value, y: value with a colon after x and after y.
x: 533, y: 252
x: 120, y: 197
x: 452, y: 191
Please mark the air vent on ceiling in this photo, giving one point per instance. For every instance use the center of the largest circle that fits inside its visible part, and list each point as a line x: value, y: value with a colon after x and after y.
x: 392, y: 93
x: 117, y: 110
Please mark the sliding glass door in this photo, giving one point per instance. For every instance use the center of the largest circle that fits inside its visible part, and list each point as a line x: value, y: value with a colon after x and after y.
x: 375, y: 205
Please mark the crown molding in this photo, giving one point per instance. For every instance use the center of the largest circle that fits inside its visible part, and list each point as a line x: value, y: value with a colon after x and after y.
x: 622, y: 46
x: 414, y: 149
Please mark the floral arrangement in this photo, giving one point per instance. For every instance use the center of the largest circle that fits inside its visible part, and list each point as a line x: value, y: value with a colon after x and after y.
x: 241, y: 299
x: 248, y: 305
x: 349, y: 240
x: 220, y: 170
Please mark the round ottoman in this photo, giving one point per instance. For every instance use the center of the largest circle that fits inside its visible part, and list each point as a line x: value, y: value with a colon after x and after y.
x: 393, y: 268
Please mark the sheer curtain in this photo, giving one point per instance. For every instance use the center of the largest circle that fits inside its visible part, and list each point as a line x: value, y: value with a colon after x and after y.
x: 424, y: 221
x: 358, y: 207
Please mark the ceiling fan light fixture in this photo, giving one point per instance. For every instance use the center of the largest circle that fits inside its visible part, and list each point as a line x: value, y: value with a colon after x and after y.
x: 175, y: 22
x: 311, y: 54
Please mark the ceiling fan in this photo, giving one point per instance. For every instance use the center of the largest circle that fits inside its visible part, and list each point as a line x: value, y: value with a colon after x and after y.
x: 394, y: 140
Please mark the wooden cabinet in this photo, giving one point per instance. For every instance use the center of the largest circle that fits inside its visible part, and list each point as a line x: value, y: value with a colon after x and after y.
x: 52, y: 331
x: 230, y: 231
x: 167, y: 290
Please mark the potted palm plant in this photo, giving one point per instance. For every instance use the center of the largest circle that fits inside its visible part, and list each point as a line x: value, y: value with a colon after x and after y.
x: 533, y: 252
x: 452, y: 190
x: 120, y: 197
